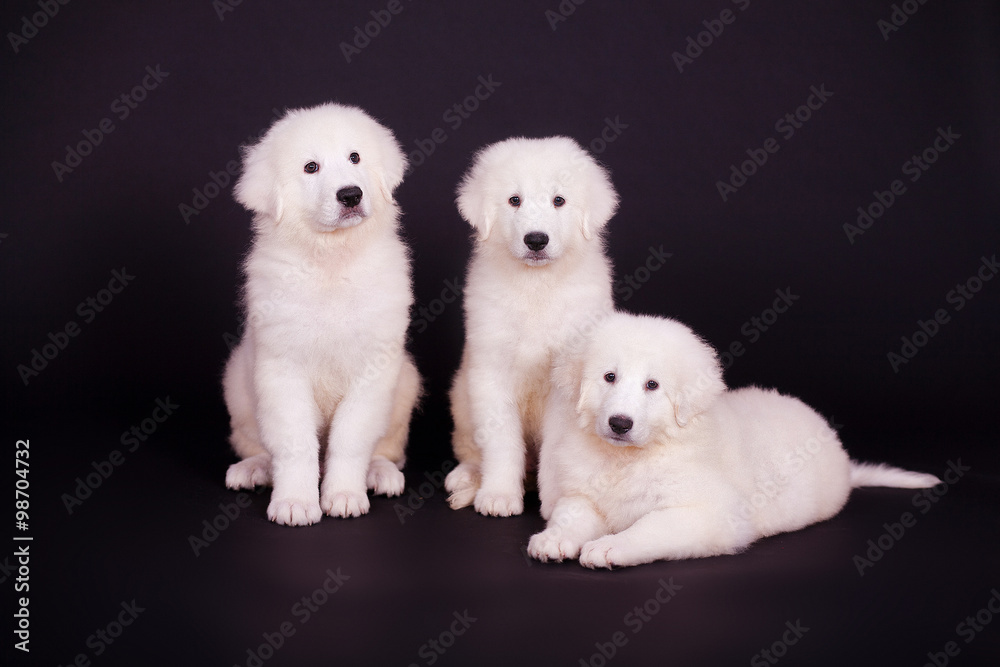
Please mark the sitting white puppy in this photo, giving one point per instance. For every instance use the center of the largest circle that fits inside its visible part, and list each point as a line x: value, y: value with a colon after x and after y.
x: 538, y: 281
x: 327, y: 296
x: 646, y: 455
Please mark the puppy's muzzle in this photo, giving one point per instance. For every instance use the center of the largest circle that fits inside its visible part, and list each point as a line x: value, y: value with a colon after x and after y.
x: 349, y: 196
x: 536, y: 241
x: 620, y: 424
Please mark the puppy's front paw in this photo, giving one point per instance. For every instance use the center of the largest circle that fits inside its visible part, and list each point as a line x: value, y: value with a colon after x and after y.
x: 345, y: 503
x: 608, y: 551
x: 249, y: 473
x: 462, y: 483
x: 491, y: 503
x: 384, y: 478
x: 293, y: 512
x: 551, y: 545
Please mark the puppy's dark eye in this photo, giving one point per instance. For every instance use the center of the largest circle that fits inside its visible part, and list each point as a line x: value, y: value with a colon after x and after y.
x: 515, y: 201
x: 558, y: 201
x: 311, y: 167
x: 652, y: 385
x: 354, y: 158
x: 609, y: 377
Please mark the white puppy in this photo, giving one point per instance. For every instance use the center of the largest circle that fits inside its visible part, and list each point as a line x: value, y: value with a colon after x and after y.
x: 537, y: 281
x: 646, y: 456
x: 327, y: 297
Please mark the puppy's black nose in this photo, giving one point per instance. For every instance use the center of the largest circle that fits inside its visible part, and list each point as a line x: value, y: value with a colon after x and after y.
x: 620, y: 424
x: 349, y: 197
x: 536, y: 240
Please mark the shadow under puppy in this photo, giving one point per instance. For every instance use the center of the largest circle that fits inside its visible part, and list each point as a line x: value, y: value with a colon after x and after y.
x: 646, y: 455
x: 327, y: 298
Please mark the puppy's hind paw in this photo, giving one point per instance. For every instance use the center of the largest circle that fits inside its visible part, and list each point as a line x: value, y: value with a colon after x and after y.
x: 459, y: 499
x: 291, y: 512
x: 250, y: 472
x: 462, y: 483
x: 499, y: 504
x: 464, y: 475
x: 345, y: 504
x: 384, y: 478
x: 546, y: 546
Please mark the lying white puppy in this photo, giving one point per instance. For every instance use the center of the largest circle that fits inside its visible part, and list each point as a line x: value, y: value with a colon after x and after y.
x: 647, y: 456
x: 537, y: 281
x: 327, y: 297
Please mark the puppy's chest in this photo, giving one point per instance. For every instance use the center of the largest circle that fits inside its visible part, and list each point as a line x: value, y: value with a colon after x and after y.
x: 320, y: 297
x: 527, y: 321
x: 624, y: 488
x: 327, y: 304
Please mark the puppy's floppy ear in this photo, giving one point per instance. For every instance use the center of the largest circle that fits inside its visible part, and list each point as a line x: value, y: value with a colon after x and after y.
x: 570, y: 377
x: 701, y: 383
x: 393, y: 163
x: 601, y: 200
x: 258, y: 188
x: 583, y: 395
x: 473, y: 202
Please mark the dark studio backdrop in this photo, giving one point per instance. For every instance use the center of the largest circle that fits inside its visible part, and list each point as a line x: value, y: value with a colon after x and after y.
x: 811, y: 186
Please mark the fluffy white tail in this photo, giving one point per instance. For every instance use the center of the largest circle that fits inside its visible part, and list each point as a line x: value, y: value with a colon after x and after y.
x: 880, y: 474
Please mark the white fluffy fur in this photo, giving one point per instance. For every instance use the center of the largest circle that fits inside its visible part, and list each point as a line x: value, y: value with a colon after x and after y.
x: 327, y: 296
x: 702, y: 471
x: 522, y: 306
